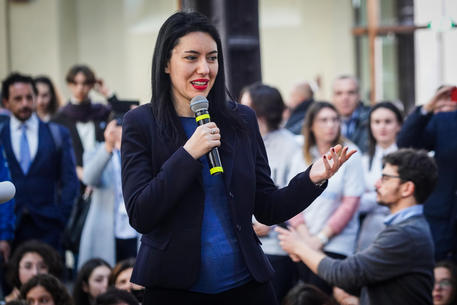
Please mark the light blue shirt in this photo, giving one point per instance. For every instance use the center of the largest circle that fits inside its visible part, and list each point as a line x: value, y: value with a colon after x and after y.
x: 404, y: 214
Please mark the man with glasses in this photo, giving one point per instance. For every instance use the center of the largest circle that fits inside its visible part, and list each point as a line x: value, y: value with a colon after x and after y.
x: 398, y: 267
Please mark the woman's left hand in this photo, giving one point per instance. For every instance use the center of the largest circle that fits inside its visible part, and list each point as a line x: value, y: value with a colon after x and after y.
x: 326, y: 166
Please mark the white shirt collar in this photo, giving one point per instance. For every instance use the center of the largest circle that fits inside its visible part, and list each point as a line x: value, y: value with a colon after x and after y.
x: 31, y: 123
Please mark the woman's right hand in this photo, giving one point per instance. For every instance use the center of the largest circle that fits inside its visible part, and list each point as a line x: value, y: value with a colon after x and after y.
x: 205, y: 138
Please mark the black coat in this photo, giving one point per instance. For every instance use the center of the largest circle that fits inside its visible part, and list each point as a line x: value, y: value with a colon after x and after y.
x: 163, y: 192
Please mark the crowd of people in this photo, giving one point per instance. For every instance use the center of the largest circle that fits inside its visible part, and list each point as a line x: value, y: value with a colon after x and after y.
x: 295, y: 188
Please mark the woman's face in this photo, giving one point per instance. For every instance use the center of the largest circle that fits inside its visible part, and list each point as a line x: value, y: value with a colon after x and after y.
x: 123, y: 280
x: 97, y: 282
x: 193, y: 68
x: 38, y: 295
x: 442, y: 290
x: 30, y: 265
x: 326, y: 125
x: 384, y: 126
x: 43, y: 97
x: 80, y: 88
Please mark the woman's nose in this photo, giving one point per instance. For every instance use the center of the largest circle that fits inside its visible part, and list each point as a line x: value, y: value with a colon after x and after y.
x: 203, y: 67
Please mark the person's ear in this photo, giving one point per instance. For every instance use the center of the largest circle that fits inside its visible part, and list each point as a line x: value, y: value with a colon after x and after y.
x: 167, y: 70
x: 408, y: 189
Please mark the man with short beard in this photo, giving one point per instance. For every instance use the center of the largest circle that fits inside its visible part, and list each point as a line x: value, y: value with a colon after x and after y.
x: 42, y: 165
x: 398, y: 267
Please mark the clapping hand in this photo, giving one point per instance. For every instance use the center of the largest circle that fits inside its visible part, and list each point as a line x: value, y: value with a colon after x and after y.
x: 326, y: 166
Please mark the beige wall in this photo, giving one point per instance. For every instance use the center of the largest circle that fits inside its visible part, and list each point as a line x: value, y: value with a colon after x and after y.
x: 300, y: 39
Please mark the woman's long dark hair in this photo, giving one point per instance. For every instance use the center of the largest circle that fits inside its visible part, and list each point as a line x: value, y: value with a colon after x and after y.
x: 310, y: 139
x: 81, y: 297
x: 175, y: 27
x: 54, y: 103
x: 371, y: 140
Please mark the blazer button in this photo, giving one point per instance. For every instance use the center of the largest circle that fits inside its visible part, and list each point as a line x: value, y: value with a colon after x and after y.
x: 238, y: 227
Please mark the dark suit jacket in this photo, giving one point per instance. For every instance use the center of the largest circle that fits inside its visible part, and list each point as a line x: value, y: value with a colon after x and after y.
x: 437, y: 132
x: 163, y: 192
x: 45, y: 196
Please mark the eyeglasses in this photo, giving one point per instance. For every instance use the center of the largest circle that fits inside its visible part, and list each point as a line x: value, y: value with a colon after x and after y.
x: 444, y: 284
x: 386, y: 177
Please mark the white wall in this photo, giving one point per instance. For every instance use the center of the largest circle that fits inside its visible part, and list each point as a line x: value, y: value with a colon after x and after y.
x: 434, y: 68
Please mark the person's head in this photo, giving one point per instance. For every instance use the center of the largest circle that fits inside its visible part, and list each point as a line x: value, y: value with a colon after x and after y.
x: 91, y: 281
x: 300, y: 92
x: 80, y: 80
x: 444, y: 290
x: 408, y: 175
x: 305, y: 294
x: 45, y: 289
x: 47, y: 101
x: 187, y: 62
x: 385, y: 121
x: 32, y: 258
x: 321, y: 125
x: 115, y: 296
x: 445, y: 103
x: 346, y: 95
x: 19, y: 95
x: 266, y: 102
x: 121, y: 274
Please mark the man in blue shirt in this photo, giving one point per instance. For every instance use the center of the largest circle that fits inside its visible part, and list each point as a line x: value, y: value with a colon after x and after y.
x: 398, y: 267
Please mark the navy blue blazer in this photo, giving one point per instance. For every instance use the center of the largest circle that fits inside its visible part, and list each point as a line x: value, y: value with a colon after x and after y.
x: 437, y: 132
x: 163, y: 192
x: 47, y: 192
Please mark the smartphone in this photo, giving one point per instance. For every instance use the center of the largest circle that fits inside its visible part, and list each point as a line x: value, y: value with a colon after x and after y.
x: 454, y: 94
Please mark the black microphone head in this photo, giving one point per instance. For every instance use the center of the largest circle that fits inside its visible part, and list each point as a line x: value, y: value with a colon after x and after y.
x: 199, y: 103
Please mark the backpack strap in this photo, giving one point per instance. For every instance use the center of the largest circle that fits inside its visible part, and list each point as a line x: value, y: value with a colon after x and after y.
x: 56, y: 135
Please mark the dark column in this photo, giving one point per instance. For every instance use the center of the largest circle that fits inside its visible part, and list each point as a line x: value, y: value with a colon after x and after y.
x: 238, y: 24
x: 406, y: 63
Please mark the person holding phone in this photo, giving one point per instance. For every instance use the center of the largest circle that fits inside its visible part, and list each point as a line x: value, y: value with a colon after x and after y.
x: 433, y: 126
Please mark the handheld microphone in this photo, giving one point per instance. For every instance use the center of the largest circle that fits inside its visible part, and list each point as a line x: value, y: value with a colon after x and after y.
x: 7, y: 191
x: 199, y: 105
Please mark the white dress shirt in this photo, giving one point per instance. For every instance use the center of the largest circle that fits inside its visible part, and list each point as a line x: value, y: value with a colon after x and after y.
x: 32, y: 135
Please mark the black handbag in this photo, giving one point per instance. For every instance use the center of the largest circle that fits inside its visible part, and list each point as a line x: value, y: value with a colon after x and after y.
x: 75, y: 224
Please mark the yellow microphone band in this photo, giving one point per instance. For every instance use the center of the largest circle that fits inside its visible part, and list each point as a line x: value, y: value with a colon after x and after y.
x: 217, y: 169
x: 201, y: 117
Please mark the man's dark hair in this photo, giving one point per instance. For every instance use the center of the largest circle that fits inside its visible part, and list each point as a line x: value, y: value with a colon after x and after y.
x: 85, y: 70
x: 114, y: 296
x: 14, y: 78
x: 267, y: 103
x: 415, y: 166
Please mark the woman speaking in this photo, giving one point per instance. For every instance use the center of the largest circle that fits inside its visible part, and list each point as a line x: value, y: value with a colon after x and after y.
x: 198, y: 245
